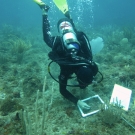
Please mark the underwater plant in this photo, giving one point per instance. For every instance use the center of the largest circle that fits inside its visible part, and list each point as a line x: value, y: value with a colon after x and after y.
x: 110, y: 114
x: 9, y: 105
x: 124, y: 41
x: 6, y: 30
x: 3, y: 59
x: 128, y: 32
x: 31, y: 84
x: 19, y: 47
x: 132, y: 41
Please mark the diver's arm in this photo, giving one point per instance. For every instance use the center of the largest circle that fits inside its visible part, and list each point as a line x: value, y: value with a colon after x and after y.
x: 46, y: 32
x: 46, y: 26
x: 65, y: 92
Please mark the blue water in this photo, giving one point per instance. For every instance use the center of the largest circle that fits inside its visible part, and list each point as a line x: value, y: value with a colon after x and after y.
x: 119, y: 12
x: 26, y: 13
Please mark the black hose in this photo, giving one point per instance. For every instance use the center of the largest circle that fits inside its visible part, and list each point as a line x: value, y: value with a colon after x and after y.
x: 70, y: 64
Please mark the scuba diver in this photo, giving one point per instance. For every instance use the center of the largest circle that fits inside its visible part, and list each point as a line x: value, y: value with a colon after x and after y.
x: 71, y: 50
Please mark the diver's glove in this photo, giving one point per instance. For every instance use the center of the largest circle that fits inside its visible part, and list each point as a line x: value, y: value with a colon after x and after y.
x: 83, y: 105
x: 42, y: 5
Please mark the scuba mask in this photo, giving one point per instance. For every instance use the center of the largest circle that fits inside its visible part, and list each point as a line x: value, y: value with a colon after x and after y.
x: 69, y: 38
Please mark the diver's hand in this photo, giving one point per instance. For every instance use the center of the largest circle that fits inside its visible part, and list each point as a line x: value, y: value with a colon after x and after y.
x: 42, y: 5
x: 83, y: 105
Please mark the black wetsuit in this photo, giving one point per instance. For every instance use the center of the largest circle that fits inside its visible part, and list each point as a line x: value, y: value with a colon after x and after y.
x: 56, y: 44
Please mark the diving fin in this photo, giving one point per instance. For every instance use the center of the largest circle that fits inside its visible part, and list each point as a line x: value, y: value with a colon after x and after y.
x: 62, y: 5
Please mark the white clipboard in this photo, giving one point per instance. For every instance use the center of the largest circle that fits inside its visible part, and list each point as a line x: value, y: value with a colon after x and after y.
x: 121, y: 95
